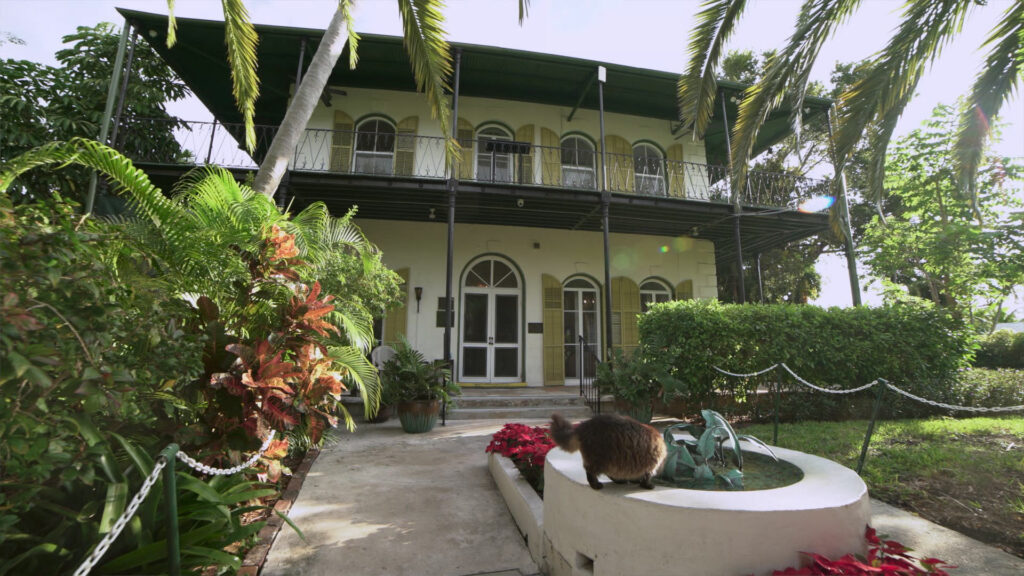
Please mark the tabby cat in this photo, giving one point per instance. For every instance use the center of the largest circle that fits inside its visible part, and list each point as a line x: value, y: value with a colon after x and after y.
x: 618, y: 446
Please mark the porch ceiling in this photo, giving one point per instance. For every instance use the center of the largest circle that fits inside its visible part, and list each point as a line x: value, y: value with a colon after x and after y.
x: 476, y: 203
x: 487, y: 72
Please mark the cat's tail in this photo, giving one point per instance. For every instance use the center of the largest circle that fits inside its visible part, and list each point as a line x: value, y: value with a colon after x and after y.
x: 564, y: 433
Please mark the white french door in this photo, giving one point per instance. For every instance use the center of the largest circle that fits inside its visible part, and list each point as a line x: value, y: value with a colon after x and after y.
x: 491, y: 330
x: 580, y: 317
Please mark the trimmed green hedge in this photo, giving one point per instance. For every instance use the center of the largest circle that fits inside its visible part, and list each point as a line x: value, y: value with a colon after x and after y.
x: 1002, y: 349
x: 917, y: 347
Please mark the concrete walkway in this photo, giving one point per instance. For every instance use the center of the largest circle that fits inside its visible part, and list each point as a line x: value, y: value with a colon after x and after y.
x: 382, y: 502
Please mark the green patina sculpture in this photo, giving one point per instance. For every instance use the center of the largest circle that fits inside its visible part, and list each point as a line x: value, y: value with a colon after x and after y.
x: 703, y: 457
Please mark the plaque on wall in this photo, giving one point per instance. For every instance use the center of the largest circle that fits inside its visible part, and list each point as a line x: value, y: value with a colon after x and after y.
x: 535, y: 328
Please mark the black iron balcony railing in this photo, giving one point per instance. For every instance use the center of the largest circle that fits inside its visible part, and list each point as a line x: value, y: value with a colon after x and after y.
x: 483, y: 160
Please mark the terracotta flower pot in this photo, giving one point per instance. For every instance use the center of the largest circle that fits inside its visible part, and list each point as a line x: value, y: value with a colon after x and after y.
x: 418, y: 416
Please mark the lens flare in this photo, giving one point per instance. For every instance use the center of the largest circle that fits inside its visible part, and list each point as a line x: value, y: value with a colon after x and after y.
x: 816, y: 204
x: 664, y: 249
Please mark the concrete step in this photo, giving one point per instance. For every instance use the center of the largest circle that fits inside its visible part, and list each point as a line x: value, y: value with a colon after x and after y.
x: 502, y: 401
x: 518, y: 413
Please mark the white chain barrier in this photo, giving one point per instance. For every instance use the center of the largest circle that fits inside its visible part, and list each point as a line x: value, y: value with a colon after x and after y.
x: 827, y: 390
x: 197, y: 465
x: 882, y: 381
x: 89, y: 563
x: 953, y: 407
x: 751, y: 375
x: 129, y: 512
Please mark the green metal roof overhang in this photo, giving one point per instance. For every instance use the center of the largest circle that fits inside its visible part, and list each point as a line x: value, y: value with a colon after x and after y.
x: 199, y: 57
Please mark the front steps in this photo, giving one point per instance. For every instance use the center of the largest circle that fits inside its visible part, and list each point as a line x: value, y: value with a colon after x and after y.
x: 514, y: 404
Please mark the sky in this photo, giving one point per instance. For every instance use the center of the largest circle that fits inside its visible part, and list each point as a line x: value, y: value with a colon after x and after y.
x: 644, y: 33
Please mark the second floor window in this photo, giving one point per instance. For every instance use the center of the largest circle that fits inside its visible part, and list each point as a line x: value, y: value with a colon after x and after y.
x: 375, y: 147
x: 493, y: 165
x: 647, y: 170
x: 653, y: 292
x: 578, y: 163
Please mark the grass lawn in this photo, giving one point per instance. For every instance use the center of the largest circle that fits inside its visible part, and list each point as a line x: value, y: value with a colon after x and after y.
x: 966, y: 474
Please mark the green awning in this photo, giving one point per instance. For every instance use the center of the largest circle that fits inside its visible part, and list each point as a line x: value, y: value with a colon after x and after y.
x: 487, y: 72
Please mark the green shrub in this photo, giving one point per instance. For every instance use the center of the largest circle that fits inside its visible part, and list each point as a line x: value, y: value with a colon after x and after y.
x: 913, y: 345
x: 1001, y: 349
x: 980, y: 387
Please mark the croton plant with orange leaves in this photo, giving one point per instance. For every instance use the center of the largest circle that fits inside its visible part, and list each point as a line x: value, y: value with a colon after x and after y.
x: 285, y: 380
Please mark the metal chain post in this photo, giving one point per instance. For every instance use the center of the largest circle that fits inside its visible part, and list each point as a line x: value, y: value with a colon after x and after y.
x: 171, y: 496
x: 879, y: 393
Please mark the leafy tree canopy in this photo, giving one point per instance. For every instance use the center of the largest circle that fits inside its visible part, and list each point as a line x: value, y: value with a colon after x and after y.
x: 40, y: 104
x: 929, y: 243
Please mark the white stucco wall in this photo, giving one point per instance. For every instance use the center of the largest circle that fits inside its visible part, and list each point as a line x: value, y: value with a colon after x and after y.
x: 359, y: 103
x: 535, y: 251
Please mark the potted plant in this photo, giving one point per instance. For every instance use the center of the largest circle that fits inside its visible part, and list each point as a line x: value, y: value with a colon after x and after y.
x: 635, y: 381
x: 418, y: 387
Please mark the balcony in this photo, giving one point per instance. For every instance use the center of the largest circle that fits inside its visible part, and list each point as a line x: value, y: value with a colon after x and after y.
x: 484, y: 161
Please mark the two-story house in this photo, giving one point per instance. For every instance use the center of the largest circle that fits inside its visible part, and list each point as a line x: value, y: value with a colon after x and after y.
x: 549, y: 242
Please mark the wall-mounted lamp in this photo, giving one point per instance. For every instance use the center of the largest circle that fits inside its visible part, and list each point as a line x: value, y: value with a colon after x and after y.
x: 419, y: 296
x: 432, y: 215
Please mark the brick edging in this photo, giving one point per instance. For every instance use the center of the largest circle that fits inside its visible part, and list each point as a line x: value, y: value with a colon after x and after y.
x: 257, y: 555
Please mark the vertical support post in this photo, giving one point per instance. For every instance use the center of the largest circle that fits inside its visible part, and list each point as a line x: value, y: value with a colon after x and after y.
x: 171, y: 505
x: 302, y: 60
x: 776, y: 387
x: 606, y: 199
x: 741, y: 288
x: 844, y: 211
x: 108, y: 110
x: 124, y: 89
x: 213, y: 134
x: 453, y: 185
x: 760, y: 283
x: 879, y: 393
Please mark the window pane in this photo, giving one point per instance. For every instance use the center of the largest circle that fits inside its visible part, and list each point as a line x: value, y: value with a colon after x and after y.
x: 589, y: 300
x: 502, y: 273
x: 474, y: 319
x: 571, y: 360
x: 579, y: 283
x: 652, y: 286
x: 474, y: 362
x: 506, y: 318
x: 590, y: 327
x: 506, y: 362
x: 479, y: 275
x: 645, y: 302
x: 569, y: 299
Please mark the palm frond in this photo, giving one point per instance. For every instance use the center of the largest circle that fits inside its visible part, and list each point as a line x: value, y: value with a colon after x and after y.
x: 816, y: 23
x: 927, y: 26
x: 362, y: 372
x: 241, y: 39
x: 429, y: 54
x: 698, y: 86
x: 524, y: 10
x: 353, y: 38
x: 996, y: 84
x: 172, y: 25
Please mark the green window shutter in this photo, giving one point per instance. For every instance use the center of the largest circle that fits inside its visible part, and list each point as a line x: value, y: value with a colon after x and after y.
x: 684, y: 290
x: 625, y: 309
x: 465, y: 137
x: 554, y: 337
x: 525, y: 134
x: 341, y: 142
x: 550, y: 158
x: 405, y: 150
x: 396, y: 321
x: 676, y: 170
x: 620, y: 163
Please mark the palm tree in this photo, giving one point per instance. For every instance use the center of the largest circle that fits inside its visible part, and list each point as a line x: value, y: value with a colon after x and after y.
x: 875, y: 103
x: 425, y: 42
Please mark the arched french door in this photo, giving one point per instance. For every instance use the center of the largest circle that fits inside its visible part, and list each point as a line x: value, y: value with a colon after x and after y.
x: 581, y: 318
x: 491, y: 323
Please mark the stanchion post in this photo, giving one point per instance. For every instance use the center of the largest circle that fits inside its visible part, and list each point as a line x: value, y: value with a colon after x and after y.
x: 171, y: 499
x: 776, y: 385
x: 879, y: 393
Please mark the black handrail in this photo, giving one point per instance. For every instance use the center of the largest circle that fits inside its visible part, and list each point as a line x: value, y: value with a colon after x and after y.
x: 589, y: 388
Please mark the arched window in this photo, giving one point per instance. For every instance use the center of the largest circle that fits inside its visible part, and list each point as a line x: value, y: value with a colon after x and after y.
x: 581, y: 322
x: 648, y: 170
x: 653, y: 292
x: 493, y: 165
x: 578, y: 163
x: 491, y: 322
x: 375, y: 147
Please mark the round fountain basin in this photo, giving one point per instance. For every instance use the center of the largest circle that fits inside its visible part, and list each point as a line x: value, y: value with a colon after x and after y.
x: 626, y: 530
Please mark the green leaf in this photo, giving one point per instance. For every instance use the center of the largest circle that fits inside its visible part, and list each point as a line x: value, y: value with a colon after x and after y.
x: 117, y: 498
x: 292, y: 524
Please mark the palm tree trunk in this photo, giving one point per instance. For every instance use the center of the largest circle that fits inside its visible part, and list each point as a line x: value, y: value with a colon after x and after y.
x: 282, y: 149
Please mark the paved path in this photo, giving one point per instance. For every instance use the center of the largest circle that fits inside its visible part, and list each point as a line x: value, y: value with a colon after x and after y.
x: 384, y: 502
